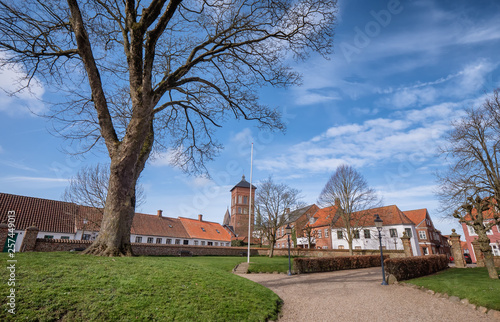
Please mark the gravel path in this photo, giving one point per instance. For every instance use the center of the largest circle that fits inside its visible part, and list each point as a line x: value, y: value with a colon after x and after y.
x: 356, y: 295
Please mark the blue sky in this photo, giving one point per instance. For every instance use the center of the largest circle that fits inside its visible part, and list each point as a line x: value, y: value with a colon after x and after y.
x: 401, y: 71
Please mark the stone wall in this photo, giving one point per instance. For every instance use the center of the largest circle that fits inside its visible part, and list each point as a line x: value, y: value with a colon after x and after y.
x: 143, y: 249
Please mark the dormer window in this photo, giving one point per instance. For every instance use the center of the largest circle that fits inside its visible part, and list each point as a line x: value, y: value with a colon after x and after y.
x: 218, y: 232
x: 203, y: 229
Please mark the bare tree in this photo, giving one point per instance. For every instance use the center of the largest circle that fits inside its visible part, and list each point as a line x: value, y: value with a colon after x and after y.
x: 89, y: 187
x: 470, y: 188
x: 347, y: 192
x: 158, y: 75
x: 274, y: 202
x: 309, y: 233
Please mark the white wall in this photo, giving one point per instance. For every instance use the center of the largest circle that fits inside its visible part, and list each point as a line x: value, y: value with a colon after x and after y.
x: 373, y: 241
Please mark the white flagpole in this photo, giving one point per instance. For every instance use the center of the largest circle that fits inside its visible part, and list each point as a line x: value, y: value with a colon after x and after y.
x: 250, y: 208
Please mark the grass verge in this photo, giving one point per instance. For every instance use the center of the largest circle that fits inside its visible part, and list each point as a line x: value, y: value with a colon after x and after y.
x: 470, y: 283
x: 68, y: 287
x: 264, y: 264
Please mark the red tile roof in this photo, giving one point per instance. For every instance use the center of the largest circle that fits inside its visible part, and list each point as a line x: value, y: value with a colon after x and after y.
x: 391, y: 215
x: 46, y: 215
x: 63, y: 217
x: 151, y: 225
x: 205, y: 229
x: 324, y: 216
x: 417, y: 216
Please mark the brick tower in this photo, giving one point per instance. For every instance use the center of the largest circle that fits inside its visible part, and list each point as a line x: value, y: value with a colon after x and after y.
x: 240, y: 208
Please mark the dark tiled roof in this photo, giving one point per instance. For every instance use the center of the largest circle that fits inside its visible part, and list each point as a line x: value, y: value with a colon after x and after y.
x: 296, y: 214
x: 243, y: 184
x: 205, y: 229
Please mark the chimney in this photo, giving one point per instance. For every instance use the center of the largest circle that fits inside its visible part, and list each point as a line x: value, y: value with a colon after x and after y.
x: 200, y: 217
x: 159, y: 212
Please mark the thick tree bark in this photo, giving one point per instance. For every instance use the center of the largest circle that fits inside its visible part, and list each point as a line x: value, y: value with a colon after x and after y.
x: 484, y: 245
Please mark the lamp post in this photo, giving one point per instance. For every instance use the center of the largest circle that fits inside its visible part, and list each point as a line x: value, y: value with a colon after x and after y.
x: 378, y: 224
x: 288, y: 232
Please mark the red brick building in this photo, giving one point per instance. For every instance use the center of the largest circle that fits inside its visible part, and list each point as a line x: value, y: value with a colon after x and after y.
x: 297, y: 220
x: 493, y: 234
x: 429, y: 238
x: 240, y: 204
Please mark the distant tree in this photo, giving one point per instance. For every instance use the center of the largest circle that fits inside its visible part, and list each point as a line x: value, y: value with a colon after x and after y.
x: 89, y: 187
x: 347, y: 192
x: 158, y: 75
x: 309, y: 233
x: 469, y: 189
x: 273, y: 202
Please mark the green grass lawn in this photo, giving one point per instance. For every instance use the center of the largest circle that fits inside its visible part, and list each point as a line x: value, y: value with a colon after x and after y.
x: 264, y: 264
x: 68, y: 286
x: 470, y: 283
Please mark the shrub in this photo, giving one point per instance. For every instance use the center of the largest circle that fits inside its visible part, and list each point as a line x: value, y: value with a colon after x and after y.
x: 328, y: 264
x: 237, y: 243
x: 412, y: 267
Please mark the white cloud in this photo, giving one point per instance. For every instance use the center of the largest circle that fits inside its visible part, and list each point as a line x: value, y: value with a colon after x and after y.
x: 407, y: 134
x: 13, y: 79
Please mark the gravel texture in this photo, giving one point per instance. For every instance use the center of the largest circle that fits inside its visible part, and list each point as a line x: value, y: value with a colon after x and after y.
x: 357, y: 295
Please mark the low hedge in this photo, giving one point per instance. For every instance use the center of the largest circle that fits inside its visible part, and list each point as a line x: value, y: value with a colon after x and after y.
x: 328, y: 264
x: 413, y: 267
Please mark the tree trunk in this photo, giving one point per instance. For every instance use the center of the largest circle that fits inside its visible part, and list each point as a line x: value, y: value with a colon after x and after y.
x: 484, y: 245
x: 125, y: 169
x: 271, y: 251
x: 114, y: 235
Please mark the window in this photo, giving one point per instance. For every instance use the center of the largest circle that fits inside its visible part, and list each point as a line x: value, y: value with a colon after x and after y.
x: 471, y: 230
x: 86, y: 237
x: 339, y: 234
x: 239, y: 210
x: 319, y: 233
x: 408, y: 232
x: 341, y: 247
x: 150, y: 240
x: 326, y: 233
x: 138, y: 239
x: 245, y: 200
x: 367, y: 233
x: 169, y: 241
x: 282, y: 231
x: 325, y: 247
x: 422, y: 235
x: 203, y: 229
x: 216, y: 243
x: 202, y: 243
x: 357, y: 247
x: 196, y: 243
x: 425, y: 251
x: 393, y: 232
x: 355, y: 234
x: 64, y: 237
x: 52, y: 237
x: 227, y: 244
x: 177, y: 241
x: 218, y: 232
x: 158, y: 240
x: 185, y: 242
x: 210, y: 244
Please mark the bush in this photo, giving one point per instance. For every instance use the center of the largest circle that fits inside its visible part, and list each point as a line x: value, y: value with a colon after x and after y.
x: 412, y: 267
x: 237, y: 243
x: 329, y: 264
